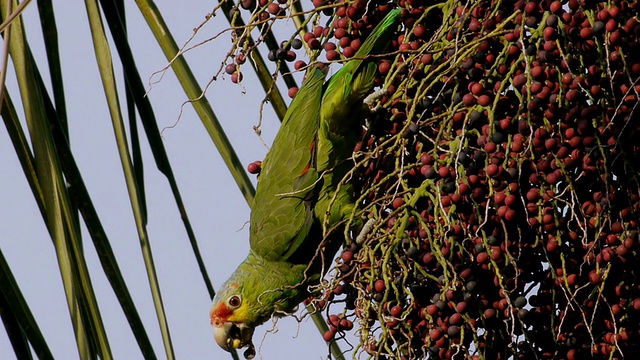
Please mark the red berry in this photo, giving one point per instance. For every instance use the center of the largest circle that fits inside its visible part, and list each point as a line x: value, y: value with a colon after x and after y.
x: 477, y: 88
x: 273, y: 9
x: 347, y: 256
x: 346, y: 324
x: 586, y: 33
x: 397, y: 202
x: 555, y: 7
x: 254, y: 167
x: 384, y: 66
x: 329, y: 335
x: 299, y: 64
x: 484, y: 100
x: 236, y: 77
x: 468, y: 100
x: 332, y: 55
x: 435, y: 334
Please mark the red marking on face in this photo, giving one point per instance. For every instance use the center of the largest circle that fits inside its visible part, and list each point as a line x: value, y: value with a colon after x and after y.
x: 219, y: 314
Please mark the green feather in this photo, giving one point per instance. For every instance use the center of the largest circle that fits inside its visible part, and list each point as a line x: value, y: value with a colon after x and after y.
x: 344, y: 92
x: 354, y: 81
x: 280, y: 217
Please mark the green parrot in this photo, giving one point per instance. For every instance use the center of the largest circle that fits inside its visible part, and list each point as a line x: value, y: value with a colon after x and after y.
x: 298, y: 197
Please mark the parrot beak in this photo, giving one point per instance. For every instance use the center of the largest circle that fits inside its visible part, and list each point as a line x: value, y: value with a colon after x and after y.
x: 233, y: 336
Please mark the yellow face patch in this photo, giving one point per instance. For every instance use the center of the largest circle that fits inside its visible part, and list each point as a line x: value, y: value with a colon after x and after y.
x: 238, y: 315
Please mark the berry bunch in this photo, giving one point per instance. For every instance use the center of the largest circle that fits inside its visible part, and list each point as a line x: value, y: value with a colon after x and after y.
x: 501, y: 176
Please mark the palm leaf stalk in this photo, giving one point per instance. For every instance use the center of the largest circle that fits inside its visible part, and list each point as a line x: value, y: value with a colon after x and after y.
x: 59, y: 216
x: 115, y: 19
x: 103, y: 57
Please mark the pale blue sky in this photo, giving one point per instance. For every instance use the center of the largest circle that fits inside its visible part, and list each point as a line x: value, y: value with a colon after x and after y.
x: 216, y: 208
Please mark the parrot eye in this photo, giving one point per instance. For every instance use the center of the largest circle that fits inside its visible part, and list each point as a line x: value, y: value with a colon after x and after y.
x: 234, y: 301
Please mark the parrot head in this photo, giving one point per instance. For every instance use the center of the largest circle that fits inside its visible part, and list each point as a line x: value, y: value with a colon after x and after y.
x: 232, y: 318
x: 249, y: 298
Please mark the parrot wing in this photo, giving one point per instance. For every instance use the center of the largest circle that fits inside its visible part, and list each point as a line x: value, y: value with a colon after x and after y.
x: 345, y: 91
x: 354, y: 81
x: 317, y: 133
x: 282, y: 212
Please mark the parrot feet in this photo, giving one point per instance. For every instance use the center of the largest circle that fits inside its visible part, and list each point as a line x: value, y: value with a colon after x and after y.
x: 366, y: 229
x: 372, y: 98
x: 250, y: 353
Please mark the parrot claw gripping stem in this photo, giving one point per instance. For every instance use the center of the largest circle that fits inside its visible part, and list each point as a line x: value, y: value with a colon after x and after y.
x: 371, y: 98
x: 366, y: 229
x: 250, y: 353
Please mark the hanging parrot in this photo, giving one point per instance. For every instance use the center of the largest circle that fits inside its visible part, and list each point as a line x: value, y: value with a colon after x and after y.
x: 298, y: 197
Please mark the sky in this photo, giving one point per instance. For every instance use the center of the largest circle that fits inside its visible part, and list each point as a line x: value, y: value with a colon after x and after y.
x: 216, y: 208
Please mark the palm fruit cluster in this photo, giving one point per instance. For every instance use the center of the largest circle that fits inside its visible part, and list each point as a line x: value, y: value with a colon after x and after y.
x: 500, y: 175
